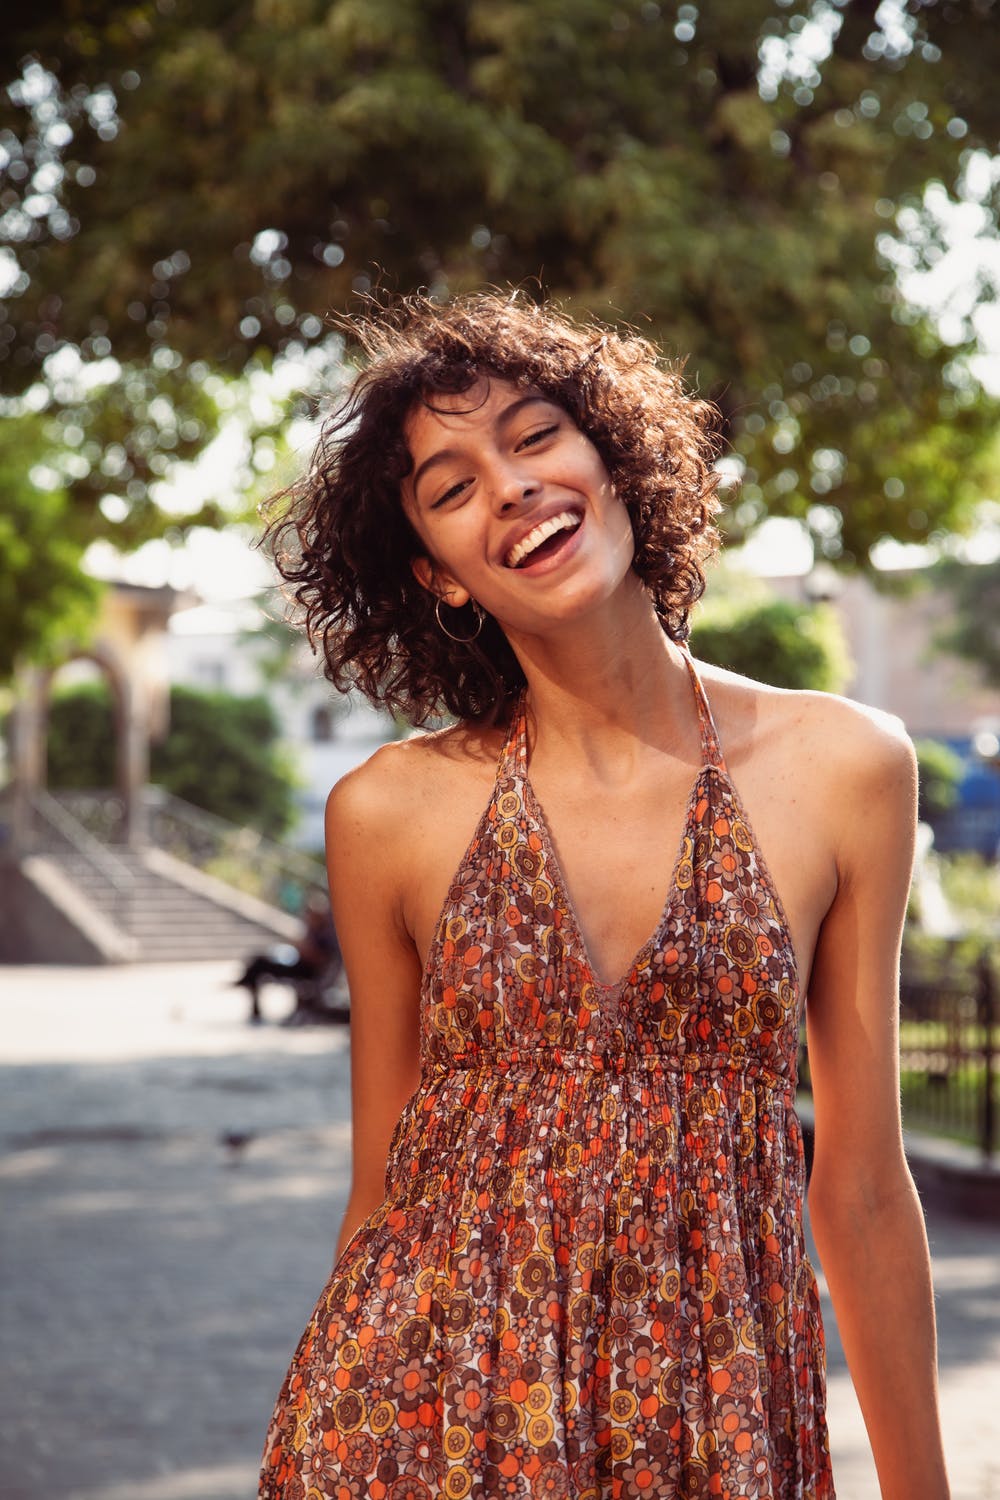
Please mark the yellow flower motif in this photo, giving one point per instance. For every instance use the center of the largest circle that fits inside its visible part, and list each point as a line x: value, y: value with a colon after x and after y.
x: 623, y: 1405
x: 741, y: 836
x: 622, y: 1444
x: 538, y: 1399
x: 539, y: 1430
x: 350, y: 1353
x: 670, y: 1285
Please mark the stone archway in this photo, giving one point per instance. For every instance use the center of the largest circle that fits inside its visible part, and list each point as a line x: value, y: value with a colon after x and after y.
x: 129, y: 749
x: 128, y: 647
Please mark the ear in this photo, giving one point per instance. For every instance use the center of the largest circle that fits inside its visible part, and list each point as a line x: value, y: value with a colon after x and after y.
x: 442, y: 585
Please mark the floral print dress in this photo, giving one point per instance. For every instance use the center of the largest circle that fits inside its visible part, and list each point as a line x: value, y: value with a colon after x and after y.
x: 587, y: 1278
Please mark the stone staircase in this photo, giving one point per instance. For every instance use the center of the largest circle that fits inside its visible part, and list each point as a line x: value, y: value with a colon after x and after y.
x: 168, y: 921
x: 78, y: 894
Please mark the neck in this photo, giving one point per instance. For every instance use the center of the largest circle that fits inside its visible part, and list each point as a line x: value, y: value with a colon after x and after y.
x: 608, y: 688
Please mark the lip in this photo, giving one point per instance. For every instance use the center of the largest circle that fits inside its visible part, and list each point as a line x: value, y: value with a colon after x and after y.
x: 527, y: 526
x: 556, y: 559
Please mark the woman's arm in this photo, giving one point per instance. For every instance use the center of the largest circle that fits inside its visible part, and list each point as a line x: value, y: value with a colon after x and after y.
x: 864, y: 1209
x: 365, y: 823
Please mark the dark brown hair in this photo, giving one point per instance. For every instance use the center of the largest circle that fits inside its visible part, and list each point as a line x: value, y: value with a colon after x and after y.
x: 342, y: 540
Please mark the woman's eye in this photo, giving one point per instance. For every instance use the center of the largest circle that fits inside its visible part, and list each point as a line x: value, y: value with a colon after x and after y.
x: 450, y: 494
x: 536, y: 437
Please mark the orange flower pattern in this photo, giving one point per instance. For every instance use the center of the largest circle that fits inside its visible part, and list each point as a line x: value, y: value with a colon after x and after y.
x: 587, y: 1279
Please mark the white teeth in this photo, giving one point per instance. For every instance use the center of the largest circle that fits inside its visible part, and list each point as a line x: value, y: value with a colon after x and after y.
x: 566, y: 520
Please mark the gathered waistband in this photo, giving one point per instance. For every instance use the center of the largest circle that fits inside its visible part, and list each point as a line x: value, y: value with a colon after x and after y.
x: 557, y: 1059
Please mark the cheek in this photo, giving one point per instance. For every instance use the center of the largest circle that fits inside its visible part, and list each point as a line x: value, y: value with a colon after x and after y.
x: 624, y: 528
x: 600, y: 480
x: 618, y: 510
x: 431, y: 545
x: 452, y: 551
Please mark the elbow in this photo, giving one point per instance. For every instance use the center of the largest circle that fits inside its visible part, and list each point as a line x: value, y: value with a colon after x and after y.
x: 848, y: 1197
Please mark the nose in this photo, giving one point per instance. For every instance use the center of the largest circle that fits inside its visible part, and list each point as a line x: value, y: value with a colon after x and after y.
x: 513, y: 488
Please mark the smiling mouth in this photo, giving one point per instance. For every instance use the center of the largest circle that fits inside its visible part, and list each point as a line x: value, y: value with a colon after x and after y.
x: 543, y: 539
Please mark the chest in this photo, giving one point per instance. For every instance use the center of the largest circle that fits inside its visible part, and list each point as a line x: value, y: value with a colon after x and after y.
x: 612, y: 856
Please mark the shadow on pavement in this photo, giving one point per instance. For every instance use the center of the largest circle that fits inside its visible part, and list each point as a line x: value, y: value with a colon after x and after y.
x: 168, y: 1224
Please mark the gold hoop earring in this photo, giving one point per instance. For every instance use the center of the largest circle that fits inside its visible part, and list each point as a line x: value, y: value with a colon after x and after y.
x: 462, y: 640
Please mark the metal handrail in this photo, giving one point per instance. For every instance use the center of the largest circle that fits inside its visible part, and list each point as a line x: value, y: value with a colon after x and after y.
x: 157, y: 799
x: 237, y: 854
x: 240, y: 856
x: 69, y: 830
x: 101, y: 812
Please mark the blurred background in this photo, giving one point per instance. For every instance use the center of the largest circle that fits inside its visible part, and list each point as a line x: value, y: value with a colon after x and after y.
x: 799, y: 198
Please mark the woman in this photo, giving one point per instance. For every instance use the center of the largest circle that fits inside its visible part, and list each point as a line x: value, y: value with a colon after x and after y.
x: 572, y: 1261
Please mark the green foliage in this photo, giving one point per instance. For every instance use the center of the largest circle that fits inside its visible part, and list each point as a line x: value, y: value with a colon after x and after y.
x: 940, y: 772
x: 774, y: 641
x: 81, y: 459
x: 44, y: 597
x: 972, y: 886
x: 119, y: 432
x: 236, y: 172
x: 81, y: 737
x: 220, y: 753
x: 973, y: 630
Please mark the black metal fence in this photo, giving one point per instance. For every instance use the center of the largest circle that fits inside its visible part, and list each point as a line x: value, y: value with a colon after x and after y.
x: 948, y: 1036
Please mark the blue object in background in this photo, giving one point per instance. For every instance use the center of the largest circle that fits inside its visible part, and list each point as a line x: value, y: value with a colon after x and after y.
x: 974, y: 822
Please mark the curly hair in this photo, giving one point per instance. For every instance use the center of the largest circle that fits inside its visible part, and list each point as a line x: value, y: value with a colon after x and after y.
x: 341, y: 539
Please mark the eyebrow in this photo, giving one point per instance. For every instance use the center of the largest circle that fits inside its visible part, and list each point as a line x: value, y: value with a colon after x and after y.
x: 445, y: 455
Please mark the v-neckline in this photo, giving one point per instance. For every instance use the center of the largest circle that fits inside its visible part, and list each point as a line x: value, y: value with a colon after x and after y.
x: 712, y: 760
x: 558, y: 880
x: 512, y: 768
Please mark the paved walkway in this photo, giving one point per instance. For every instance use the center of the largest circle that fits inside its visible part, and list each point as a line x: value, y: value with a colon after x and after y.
x: 172, y: 1182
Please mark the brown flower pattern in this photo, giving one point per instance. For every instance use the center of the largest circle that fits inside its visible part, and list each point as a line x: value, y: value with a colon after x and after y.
x: 587, y: 1279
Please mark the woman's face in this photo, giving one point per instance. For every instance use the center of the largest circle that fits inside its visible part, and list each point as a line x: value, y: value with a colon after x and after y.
x: 514, y: 506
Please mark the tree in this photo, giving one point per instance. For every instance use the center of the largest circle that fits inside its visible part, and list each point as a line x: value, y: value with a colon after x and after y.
x: 204, y: 182
x: 221, y: 753
x: 973, y: 630
x: 941, y: 772
x: 81, y: 738
x: 44, y: 596
x: 774, y: 641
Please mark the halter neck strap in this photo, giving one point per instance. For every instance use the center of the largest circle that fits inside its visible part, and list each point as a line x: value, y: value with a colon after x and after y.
x: 711, y: 747
x: 513, y: 760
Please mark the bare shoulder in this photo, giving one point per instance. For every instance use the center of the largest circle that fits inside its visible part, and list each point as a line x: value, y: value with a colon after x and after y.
x: 837, y: 736
x: 406, y: 779
x: 852, y: 740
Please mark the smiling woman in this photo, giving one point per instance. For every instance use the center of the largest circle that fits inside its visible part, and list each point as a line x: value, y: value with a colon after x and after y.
x: 508, y: 484
x: 341, y: 539
x: 572, y: 1264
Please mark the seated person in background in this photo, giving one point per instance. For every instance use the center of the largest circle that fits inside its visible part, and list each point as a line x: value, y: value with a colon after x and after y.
x: 316, y: 953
